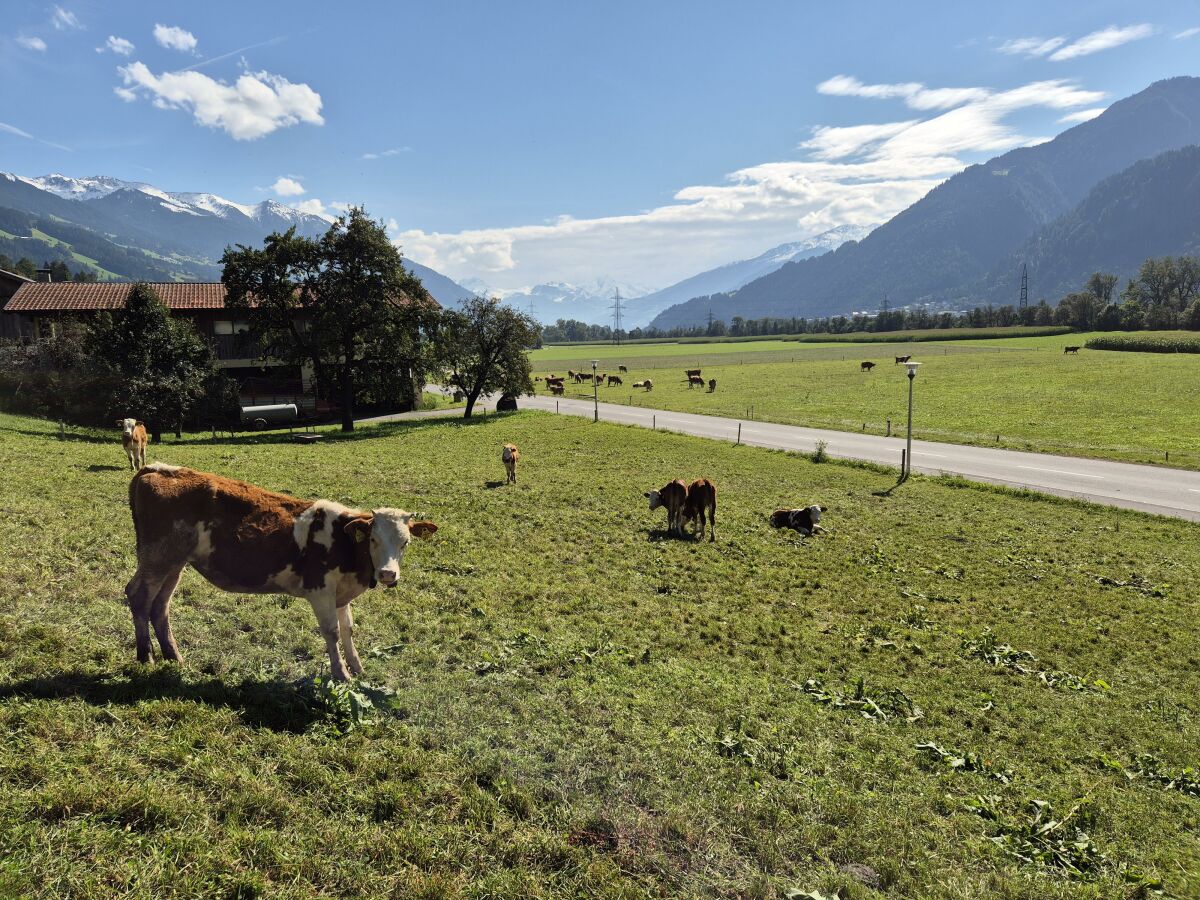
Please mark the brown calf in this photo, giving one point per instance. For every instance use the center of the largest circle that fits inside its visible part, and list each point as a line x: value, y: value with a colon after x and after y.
x: 694, y: 380
x: 624, y: 369
x: 511, y: 456
x: 614, y: 380
x: 673, y: 497
x: 866, y: 367
x: 903, y: 359
x: 133, y: 439
x: 702, y: 498
x: 557, y: 389
x: 1070, y: 349
x: 248, y: 540
x: 712, y: 385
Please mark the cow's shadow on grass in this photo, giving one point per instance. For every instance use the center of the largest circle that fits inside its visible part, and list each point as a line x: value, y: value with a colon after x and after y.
x: 95, y: 468
x: 492, y: 485
x: 274, y: 704
x: 661, y: 534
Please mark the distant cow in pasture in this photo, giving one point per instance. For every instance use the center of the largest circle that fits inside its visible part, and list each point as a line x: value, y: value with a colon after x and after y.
x: 701, y: 499
x: 712, y: 385
x: 694, y: 380
x: 579, y: 378
x: 692, y: 373
x: 551, y: 381
x: 672, y: 497
x: 133, y: 439
x: 557, y: 389
x: 803, y: 520
x: 537, y: 378
x: 866, y: 367
x: 614, y: 380
x: 510, y: 456
x: 647, y: 384
x: 903, y: 359
x: 1070, y: 349
x: 247, y: 540
x: 624, y: 369
x: 572, y: 375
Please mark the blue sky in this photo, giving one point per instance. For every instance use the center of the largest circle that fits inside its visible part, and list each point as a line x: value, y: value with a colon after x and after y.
x: 532, y: 141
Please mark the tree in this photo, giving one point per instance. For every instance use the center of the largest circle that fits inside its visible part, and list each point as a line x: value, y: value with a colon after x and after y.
x: 481, y: 349
x: 343, y: 303
x: 1101, y: 285
x: 159, y: 367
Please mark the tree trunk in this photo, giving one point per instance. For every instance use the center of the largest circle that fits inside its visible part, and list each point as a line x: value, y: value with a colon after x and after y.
x: 155, y: 434
x: 471, y: 398
x: 347, y: 400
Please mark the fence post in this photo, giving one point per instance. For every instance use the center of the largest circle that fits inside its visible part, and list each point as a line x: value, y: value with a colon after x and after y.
x: 889, y: 428
x: 739, y: 440
x: 654, y: 423
x: 556, y: 406
x: 903, y: 464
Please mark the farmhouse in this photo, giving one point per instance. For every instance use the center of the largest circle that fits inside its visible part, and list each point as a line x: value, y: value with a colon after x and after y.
x: 35, y: 310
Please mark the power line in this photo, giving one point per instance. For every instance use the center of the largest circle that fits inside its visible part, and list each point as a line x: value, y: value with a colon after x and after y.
x: 1024, y: 286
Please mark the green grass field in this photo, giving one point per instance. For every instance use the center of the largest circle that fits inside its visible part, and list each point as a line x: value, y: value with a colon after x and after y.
x: 568, y: 705
x: 1128, y: 406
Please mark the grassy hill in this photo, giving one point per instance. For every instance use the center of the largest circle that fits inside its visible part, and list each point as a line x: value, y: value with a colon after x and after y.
x: 569, y: 705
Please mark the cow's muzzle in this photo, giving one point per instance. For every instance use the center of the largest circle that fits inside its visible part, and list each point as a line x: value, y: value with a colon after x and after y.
x: 388, y: 577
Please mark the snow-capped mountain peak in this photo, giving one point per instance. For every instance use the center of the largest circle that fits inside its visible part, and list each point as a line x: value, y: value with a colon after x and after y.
x: 89, y: 188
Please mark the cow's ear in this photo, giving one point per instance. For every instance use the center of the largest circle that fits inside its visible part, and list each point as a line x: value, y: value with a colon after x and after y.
x: 359, y: 528
x: 142, y: 424
x: 423, y: 529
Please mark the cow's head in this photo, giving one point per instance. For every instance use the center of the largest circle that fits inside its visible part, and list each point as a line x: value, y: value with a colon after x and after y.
x: 388, y: 531
x: 655, y: 499
x: 815, y: 511
x: 126, y: 425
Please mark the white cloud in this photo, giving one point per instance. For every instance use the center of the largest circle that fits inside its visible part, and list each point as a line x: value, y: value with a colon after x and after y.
x: 287, y: 187
x: 257, y: 104
x: 1084, y: 115
x: 62, y: 19
x: 859, y: 174
x: 1104, y: 39
x: 315, y: 207
x: 117, y: 45
x: 1186, y: 33
x: 175, y: 38
x: 32, y: 43
x: 382, y: 154
x: 1031, y: 46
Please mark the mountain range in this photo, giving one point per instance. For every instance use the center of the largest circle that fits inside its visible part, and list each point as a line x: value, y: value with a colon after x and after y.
x: 960, y: 244
x: 592, y: 302
x: 132, y: 230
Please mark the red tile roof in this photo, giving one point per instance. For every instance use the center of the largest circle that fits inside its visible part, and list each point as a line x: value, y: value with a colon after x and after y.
x: 74, y: 296
x: 43, y: 296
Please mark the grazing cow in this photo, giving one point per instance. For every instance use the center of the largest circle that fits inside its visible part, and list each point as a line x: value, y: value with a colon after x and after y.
x: 649, y: 384
x: 803, y: 520
x: 133, y: 439
x: 579, y: 378
x: 624, y: 369
x: 571, y: 374
x: 692, y: 373
x: 511, y: 456
x: 614, y: 380
x: 903, y: 359
x: 537, y: 377
x: 553, y: 383
x: 1070, y: 349
x: 866, y: 367
x: 673, y: 497
x: 694, y: 380
x: 557, y: 389
x: 712, y: 385
x: 248, y: 540
x: 639, y: 384
x: 702, y: 498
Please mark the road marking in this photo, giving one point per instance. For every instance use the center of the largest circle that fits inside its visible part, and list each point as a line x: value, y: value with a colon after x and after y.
x: 927, y: 453
x: 1194, y: 490
x: 1061, y: 472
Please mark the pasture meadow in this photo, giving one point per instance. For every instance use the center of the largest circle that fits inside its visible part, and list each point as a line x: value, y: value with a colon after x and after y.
x: 1019, y: 393
x: 960, y: 692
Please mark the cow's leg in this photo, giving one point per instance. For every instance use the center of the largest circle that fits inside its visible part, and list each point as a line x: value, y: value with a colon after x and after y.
x: 160, y: 617
x: 140, y: 592
x: 712, y: 524
x: 327, y: 620
x: 346, y: 627
x: 132, y: 454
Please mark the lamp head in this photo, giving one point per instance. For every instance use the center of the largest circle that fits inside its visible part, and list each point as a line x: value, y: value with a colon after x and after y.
x: 594, y: 364
x: 912, y: 369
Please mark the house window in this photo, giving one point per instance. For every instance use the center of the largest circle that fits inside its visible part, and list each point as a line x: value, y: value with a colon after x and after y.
x: 222, y: 326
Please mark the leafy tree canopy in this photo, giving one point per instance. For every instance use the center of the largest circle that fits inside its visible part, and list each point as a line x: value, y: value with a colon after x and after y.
x: 481, y: 349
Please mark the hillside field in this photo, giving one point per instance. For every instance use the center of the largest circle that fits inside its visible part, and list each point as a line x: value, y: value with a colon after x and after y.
x: 568, y: 704
x: 1136, y: 407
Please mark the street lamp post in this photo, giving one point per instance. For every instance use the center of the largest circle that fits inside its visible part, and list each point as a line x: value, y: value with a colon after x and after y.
x: 912, y: 374
x: 595, y: 393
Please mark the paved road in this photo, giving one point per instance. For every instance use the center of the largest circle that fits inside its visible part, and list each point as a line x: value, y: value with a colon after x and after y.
x: 1168, y: 492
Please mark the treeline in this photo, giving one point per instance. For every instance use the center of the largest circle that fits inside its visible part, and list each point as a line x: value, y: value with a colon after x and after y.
x: 1165, y: 295
x: 59, y: 270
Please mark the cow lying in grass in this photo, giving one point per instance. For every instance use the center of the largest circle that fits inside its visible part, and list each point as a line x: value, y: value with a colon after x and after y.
x: 247, y: 540
x: 803, y: 520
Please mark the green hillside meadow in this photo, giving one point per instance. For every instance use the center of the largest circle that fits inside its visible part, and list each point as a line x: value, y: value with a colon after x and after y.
x: 959, y: 692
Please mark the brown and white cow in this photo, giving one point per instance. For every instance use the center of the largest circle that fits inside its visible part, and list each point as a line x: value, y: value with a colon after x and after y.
x: 614, y: 380
x: 903, y: 359
x: 694, y: 380
x: 692, y: 373
x: 510, y: 456
x: 248, y: 540
x: 557, y: 389
x: 133, y: 439
x: 701, y: 499
x: 673, y: 497
x: 804, y: 520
